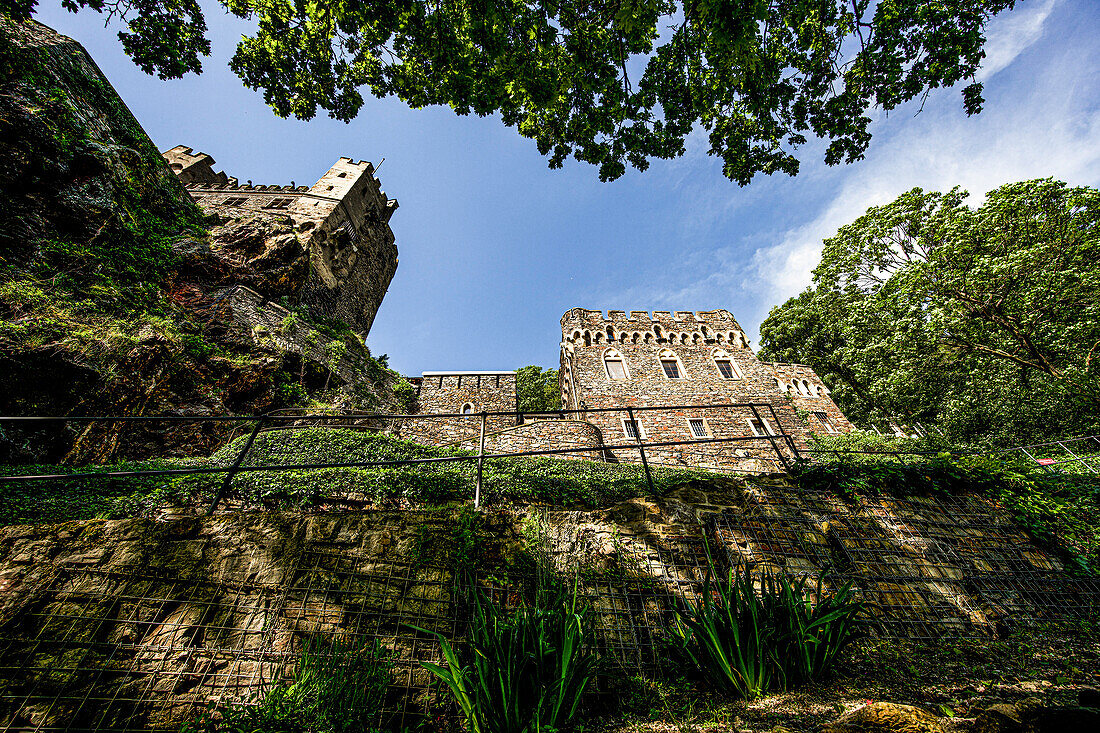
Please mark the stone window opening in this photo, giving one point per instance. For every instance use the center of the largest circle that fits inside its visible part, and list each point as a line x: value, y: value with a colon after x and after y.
x: 468, y: 408
x: 342, y: 175
x: 760, y: 427
x: 587, y: 338
x: 610, y: 335
x: 614, y: 365
x: 633, y: 429
x: 234, y: 201
x: 823, y: 418
x: 670, y: 364
x: 698, y: 426
x: 278, y: 204
x: 725, y: 365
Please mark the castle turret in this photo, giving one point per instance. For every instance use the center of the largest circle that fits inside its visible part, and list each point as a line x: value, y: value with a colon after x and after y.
x: 193, y: 167
x: 343, y: 220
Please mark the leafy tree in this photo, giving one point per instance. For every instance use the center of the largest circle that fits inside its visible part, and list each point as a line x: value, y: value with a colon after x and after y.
x: 610, y: 82
x: 984, y: 321
x: 537, y: 389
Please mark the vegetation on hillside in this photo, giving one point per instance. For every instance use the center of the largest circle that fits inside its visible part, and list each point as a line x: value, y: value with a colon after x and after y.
x: 505, y: 480
x: 111, y: 301
x: 983, y: 322
x: 607, y: 83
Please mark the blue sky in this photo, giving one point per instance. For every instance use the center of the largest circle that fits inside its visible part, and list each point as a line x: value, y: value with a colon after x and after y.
x: 495, y: 247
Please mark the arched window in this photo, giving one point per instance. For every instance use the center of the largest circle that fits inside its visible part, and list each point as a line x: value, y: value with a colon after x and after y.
x: 576, y: 336
x: 670, y: 364
x: 657, y: 333
x: 598, y: 337
x: 614, y: 364
x: 648, y: 338
x: 587, y: 338
x: 779, y: 383
x: 467, y: 408
x: 635, y: 337
x: 610, y: 335
x: 726, y: 367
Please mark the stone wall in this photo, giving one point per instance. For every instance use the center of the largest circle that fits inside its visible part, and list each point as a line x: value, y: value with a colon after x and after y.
x: 545, y: 435
x: 455, y: 393
x: 809, y: 394
x: 699, y: 344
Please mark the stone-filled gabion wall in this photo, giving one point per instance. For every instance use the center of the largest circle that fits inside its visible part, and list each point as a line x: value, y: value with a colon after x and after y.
x: 456, y: 393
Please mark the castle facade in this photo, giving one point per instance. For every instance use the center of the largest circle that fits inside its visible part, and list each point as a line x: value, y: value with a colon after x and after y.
x: 696, y: 366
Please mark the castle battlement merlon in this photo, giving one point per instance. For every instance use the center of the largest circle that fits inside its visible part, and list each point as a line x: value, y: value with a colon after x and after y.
x: 598, y: 317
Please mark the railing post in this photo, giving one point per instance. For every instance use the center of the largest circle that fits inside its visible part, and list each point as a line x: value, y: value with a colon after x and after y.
x: 236, y: 464
x: 480, y: 463
x: 787, y: 438
x: 770, y: 436
x: 641, y: 448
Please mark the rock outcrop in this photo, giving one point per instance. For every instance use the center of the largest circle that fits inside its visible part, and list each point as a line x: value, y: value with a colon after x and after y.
x: 116, y: 298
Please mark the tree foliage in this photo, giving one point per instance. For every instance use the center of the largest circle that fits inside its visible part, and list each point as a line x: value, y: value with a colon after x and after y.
x: 537, y: 389
x: 608, y: 82
x: 984, y: 321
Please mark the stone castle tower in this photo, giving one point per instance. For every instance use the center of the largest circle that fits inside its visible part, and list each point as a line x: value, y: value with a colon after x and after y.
x: 684, y: 359
x: 342, y: 221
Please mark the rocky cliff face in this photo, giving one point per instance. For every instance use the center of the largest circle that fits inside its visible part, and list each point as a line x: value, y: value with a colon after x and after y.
x: 115, y: 297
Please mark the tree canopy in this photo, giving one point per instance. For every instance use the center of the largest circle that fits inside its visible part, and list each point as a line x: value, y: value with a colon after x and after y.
x: 608, y: 82
x: 537, y: 389
x: 982, y: 321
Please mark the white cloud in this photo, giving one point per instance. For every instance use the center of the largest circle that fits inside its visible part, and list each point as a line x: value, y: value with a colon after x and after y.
x: 1012, y: 32
x: 1052, y: 131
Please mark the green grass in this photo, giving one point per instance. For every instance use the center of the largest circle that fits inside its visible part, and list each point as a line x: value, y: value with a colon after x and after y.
x: 523, y: 671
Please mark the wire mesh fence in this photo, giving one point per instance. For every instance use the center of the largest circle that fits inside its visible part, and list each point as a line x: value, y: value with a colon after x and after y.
x: 146, y: 646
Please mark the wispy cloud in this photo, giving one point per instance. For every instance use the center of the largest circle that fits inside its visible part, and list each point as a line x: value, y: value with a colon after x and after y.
x: 1010, y: 34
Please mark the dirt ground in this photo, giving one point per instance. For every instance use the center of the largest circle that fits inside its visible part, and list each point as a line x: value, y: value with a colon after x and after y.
x: 952, y: 678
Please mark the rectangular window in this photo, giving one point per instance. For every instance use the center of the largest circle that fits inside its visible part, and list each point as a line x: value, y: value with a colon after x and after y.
x: 725, y: 368
x: 278, y: 204
x: 632, y: 429
x: 615, y: 369
x: 824, y: 419
x: 234, y: 201
x: 698, y: 427
x: 672, y: 369
x: 760, y: 427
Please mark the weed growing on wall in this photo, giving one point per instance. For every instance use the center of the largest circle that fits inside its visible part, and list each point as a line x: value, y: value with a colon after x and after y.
x: 338, y: 687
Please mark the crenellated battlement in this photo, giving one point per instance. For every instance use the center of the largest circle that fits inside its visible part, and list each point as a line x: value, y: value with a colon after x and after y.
x: 583, y: 327
x: 341, y: 221
x: 595, y: 317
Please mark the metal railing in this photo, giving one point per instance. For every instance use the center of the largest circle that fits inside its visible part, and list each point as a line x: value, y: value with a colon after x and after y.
x: 778, y: 440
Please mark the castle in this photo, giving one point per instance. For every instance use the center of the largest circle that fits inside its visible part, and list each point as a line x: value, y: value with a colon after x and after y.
x: 342, y: 220
x: 695, y: 365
